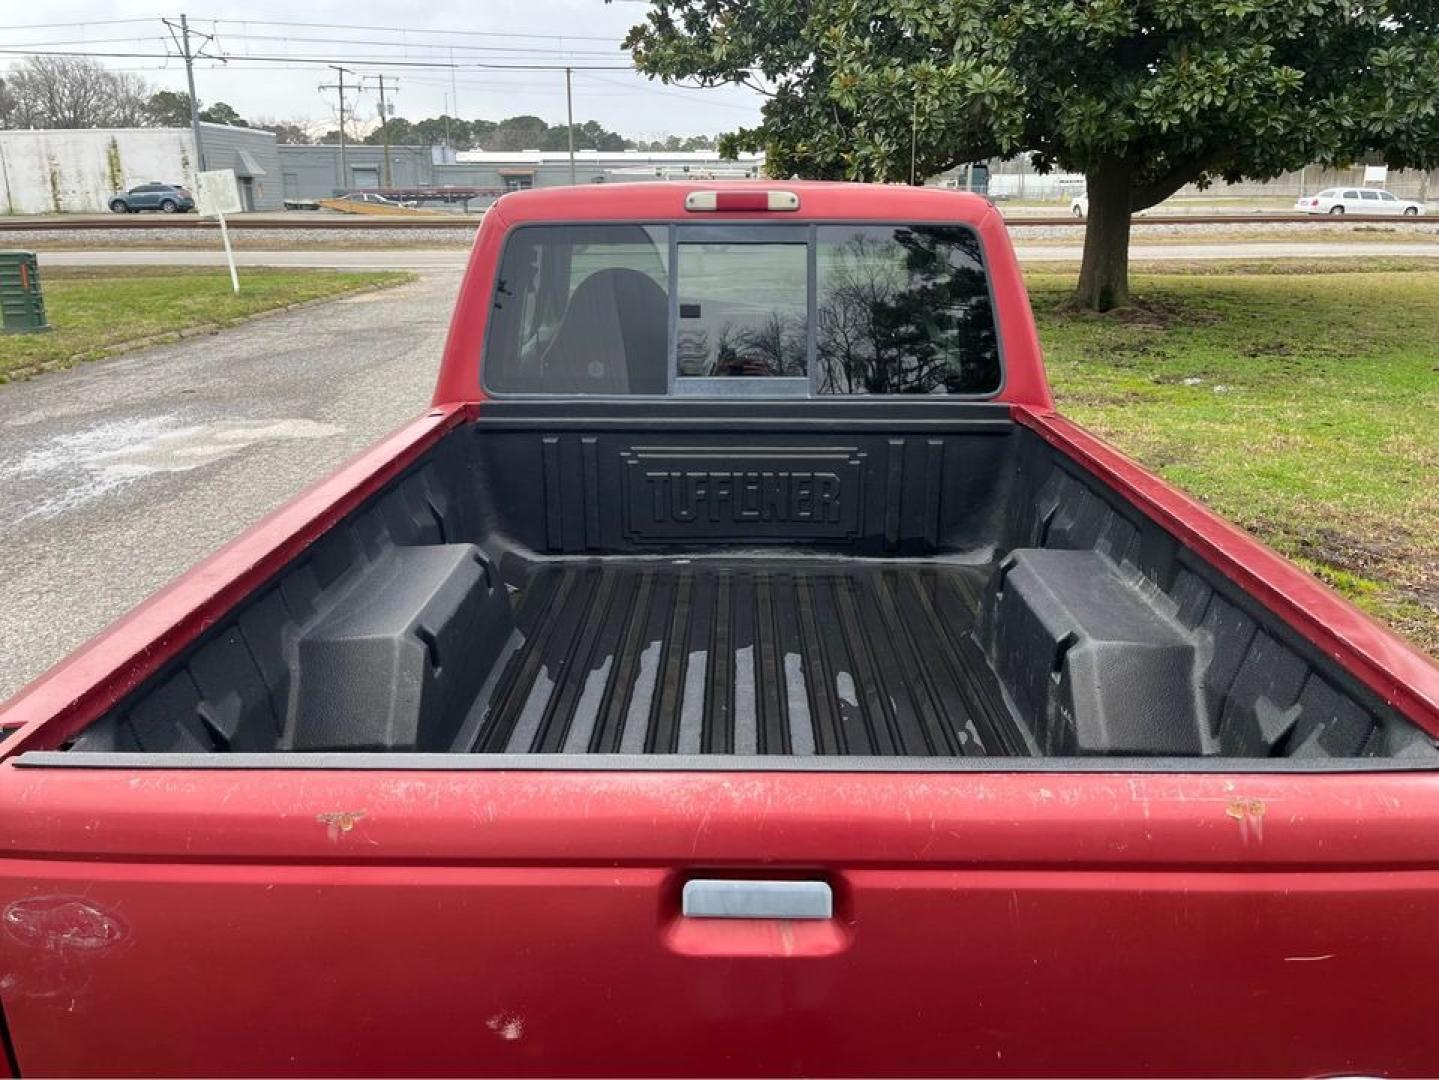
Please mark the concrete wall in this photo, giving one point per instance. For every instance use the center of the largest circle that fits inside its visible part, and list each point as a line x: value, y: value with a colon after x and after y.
x: 76, y: 171
x: 1405, y: 183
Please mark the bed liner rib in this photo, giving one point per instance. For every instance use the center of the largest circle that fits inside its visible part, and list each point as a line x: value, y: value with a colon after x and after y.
x: 830, y: 657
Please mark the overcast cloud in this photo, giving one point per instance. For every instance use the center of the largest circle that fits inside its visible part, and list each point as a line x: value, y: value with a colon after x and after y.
x: 582, y: 32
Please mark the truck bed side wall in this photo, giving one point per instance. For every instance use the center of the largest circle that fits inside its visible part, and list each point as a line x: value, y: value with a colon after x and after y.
x: 529, y: 482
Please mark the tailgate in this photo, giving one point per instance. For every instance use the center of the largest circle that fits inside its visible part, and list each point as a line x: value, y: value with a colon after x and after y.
x: 529, y: 922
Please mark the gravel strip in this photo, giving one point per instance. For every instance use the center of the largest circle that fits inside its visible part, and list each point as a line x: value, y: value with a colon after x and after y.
x: 380, y: 239
x: 1289, y: 231
x: 252, y: 239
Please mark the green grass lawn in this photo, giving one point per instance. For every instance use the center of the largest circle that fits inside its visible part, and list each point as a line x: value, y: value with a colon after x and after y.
x: 95, y: 312
x: 1303, y: 406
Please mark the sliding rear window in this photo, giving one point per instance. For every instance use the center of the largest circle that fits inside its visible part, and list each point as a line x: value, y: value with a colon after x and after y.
x: 742, y: 309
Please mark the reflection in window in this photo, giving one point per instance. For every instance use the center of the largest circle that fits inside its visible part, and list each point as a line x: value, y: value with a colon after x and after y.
x: 904, y: 310
x: 742, y: 310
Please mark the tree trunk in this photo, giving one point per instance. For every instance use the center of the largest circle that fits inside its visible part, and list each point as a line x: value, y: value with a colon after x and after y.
x: 1104, y: 273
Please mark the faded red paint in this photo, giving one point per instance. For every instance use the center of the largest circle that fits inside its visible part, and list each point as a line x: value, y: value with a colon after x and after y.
x: 281, y: 922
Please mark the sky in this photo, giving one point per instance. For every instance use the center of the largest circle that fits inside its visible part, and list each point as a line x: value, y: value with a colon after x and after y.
x: 360, y: 33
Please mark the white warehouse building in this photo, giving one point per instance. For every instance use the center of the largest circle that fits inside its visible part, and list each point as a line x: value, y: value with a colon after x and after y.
x: 77, y: 170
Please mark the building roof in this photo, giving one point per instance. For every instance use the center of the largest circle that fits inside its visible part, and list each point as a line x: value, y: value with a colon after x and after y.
x: 137, y: 130
x: 626, y: 157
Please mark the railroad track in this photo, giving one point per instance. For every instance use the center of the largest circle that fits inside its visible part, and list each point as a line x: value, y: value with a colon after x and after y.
x: 401, y: 224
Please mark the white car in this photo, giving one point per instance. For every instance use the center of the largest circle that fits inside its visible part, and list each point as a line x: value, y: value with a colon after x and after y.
x: 1079, y: 207
x: 1357, y: 201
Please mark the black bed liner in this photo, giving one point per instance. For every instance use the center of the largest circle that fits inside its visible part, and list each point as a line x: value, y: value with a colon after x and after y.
x: 832, y: 585
x: 830, y: 656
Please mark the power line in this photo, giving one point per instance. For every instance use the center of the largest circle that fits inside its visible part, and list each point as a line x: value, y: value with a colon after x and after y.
x: 676, y: 92
x: 414, y: 30
x: 90, y: 41
x: 376, y: 61
x: 83, y: 22
x: 407, y: 45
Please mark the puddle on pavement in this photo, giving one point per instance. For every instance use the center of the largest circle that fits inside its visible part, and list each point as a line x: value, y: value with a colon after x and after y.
x: 76, y: 468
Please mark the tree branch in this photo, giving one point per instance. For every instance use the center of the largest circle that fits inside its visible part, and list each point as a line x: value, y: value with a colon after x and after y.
x: 1181, y: 172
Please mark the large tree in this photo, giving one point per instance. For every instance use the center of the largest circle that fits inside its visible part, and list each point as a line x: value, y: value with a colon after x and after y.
x: 167, y: 108
x: 1142, y: 96
x: 517, y: 133
x: 221, y: 113
x: 72, y: 92
x: 286, y: 132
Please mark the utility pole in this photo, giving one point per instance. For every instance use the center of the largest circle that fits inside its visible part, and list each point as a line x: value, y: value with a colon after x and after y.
x: 570, y: 129
x: 344, y: 157
x: 454, y: 97
x: 385, y: 133
x: 182, y: 42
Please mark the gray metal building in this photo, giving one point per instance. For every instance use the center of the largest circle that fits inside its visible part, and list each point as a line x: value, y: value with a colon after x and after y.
x: 315, y: 172
x: 254, y: 157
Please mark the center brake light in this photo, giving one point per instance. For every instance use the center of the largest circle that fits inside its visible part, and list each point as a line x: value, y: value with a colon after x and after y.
x: 741, y: 200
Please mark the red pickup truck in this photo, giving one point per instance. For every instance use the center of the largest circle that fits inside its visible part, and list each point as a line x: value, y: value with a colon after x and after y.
x: 741, y: 669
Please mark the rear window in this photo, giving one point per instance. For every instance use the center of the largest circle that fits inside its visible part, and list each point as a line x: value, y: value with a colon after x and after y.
x: 737, y: 309
x: 903, y: 311
x: 581, y: 310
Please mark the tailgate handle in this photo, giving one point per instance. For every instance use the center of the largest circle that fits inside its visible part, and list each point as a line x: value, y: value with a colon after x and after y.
x: 728, y: 898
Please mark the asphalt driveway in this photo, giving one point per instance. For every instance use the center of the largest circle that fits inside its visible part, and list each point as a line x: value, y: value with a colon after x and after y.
x: 117, y: 475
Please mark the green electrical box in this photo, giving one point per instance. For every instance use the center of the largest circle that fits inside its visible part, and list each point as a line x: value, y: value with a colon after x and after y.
x: 22, y: 307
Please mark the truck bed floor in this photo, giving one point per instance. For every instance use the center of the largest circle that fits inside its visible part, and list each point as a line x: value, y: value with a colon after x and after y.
x: 741, y: 657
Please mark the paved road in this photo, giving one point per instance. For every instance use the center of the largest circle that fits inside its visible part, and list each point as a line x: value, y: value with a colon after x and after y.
x: 454, y: 258
x: 117, y: 475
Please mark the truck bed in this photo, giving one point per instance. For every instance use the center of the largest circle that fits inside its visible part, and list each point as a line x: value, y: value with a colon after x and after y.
x: 748, y: 656
x: 910, y: 587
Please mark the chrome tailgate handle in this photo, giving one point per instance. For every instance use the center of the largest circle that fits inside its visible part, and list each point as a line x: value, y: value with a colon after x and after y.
x: 729, y: 898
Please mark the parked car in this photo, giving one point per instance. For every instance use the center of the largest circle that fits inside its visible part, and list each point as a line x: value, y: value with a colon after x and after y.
x: 1079, y: 206
x: 1358, y: 201
x: 167, y: 198
x: 736, y: 670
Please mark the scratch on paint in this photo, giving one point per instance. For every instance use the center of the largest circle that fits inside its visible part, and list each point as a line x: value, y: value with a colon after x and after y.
x: 1250, y: 815
x: 1303, y: 959
x: 507, y: 1026
x: 339, y: 822
x: 62, y: 924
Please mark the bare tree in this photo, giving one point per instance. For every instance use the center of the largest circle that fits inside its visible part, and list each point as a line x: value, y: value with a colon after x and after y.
x: 72, y: 92
x: 7, y: 105
x: 291, y: 132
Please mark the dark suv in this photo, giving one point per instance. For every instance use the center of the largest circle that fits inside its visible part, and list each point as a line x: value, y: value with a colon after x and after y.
x: 167, y: 198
